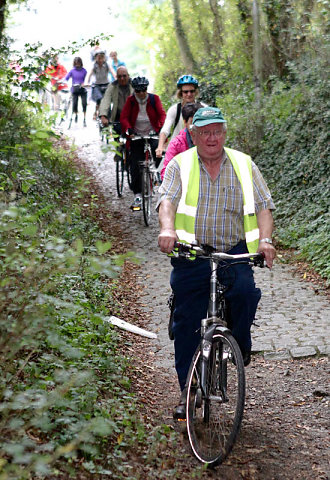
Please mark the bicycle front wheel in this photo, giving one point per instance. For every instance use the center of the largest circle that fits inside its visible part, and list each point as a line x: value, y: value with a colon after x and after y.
x: 215, y: 415
x: 146, y: 195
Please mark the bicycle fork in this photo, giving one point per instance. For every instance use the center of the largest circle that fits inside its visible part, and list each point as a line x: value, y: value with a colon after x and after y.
x: 208, y: 327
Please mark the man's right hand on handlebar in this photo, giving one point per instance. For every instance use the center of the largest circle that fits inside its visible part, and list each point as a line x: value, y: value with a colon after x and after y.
x: 166, y: 240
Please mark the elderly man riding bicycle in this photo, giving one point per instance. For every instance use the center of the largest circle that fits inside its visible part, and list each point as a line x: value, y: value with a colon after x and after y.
x: 216, y: 196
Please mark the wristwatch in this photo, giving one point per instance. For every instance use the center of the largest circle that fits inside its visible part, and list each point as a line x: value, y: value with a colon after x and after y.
x: 266, y: 240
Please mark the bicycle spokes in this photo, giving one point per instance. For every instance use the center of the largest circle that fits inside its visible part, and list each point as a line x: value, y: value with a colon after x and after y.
x: 214, y: 412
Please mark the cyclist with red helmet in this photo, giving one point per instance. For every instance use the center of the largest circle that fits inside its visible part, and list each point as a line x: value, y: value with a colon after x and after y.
x: 143, y: 112
x: 187, y: 91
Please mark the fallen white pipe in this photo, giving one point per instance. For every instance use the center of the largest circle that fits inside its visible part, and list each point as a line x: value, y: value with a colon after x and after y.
x: 130, y: 328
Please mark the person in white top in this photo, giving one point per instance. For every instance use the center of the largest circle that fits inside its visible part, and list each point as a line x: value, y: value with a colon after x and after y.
x: 187, y: 92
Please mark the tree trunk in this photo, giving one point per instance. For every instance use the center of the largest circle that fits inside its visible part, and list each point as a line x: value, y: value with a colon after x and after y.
x: 186, y: 55
x: 217, y: 31
x: 2, y: 17
x: 204, y: 34
x: 244, y: 9
x: 257, y: 63
x: 279, y: 21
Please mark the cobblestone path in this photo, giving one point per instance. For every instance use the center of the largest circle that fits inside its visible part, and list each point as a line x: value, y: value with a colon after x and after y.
x: 292, y: 320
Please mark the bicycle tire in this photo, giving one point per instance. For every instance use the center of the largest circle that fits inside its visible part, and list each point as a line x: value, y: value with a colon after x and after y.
x: 146, y: 189
x: 119, y: 175
x: 128, y: 170
x: 214, y: 418
x: 146, y: 195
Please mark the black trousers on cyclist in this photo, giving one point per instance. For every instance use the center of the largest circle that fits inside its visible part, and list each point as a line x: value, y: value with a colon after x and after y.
x: 190, y: 282
x: 75, y: 96
x: 137, y: 156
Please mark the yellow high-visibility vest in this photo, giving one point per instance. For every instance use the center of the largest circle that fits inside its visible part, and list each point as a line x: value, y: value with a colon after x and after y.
x: 186, y: 212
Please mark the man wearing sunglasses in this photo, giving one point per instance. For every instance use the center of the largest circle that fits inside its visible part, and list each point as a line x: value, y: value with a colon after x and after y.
x: 143, y: 113
x: 116, y: 95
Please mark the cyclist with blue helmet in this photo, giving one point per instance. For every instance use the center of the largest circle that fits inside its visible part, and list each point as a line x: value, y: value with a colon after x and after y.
x: 187, y: 91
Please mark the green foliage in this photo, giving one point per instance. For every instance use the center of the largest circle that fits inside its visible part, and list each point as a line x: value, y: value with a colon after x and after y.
x: 64, y: 390
x: 295, y: 160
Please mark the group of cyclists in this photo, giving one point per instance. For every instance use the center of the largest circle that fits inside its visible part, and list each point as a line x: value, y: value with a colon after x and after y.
x: 132, y: 110
x: 102, y: 72
x: 127, y: 105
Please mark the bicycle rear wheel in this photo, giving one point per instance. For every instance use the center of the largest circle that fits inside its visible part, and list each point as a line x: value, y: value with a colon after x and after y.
x: 146, y: 195
x: 214, y: 417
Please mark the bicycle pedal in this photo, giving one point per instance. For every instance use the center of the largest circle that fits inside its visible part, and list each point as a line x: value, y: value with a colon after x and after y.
x: 135, y: 209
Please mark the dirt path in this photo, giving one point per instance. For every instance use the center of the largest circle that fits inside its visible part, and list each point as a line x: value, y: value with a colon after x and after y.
x: 285, y: 429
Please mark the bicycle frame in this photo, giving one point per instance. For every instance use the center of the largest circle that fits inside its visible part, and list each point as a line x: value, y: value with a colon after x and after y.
x: 149, y: 177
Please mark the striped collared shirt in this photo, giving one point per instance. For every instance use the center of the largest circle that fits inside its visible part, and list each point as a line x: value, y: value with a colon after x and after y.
x: 219, y: 217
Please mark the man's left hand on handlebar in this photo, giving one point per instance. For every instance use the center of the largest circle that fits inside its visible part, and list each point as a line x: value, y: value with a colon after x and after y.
x: 269, y: 252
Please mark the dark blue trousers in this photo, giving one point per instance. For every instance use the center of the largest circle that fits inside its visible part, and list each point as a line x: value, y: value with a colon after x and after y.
x: 190, y: 282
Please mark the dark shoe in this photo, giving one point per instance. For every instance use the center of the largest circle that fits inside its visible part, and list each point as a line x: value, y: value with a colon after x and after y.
x: 246, y: 358
x: 76, y: 118
x: 179, y: 412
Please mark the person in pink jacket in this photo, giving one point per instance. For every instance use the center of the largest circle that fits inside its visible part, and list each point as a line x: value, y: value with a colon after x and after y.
x: 182, y: 141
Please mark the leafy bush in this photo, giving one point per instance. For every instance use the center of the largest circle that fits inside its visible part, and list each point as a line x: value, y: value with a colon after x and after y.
x: 295, y: 160
x: 64, y: 390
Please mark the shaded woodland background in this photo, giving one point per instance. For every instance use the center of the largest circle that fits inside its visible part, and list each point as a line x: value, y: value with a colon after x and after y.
x: 66, y: 401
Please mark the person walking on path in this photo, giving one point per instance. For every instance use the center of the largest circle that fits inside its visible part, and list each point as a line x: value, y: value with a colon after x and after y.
x: 143, y: 112
x: 187, y: 90
x: 78, y: 75
x: 216, y: 196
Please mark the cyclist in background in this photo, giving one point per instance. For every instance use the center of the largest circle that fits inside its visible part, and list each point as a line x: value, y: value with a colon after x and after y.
x: 187, y: 90
x: 143, y: 112
x: 115, y: 64
x: 97, y: 49
x: 78, y: 75
x: 56, y: 72
x: 201, y: 198
x: 101, y: 72
x: 115, y: 98
x: 183, y: 140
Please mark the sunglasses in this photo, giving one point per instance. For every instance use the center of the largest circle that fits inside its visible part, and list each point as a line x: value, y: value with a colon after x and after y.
x: 121, y: 76
x: 189, y: 91
x: 140, y: 89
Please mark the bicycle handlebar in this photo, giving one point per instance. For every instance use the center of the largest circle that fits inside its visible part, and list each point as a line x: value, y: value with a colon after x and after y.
x: 144, y: 137
x: 188, y: 250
